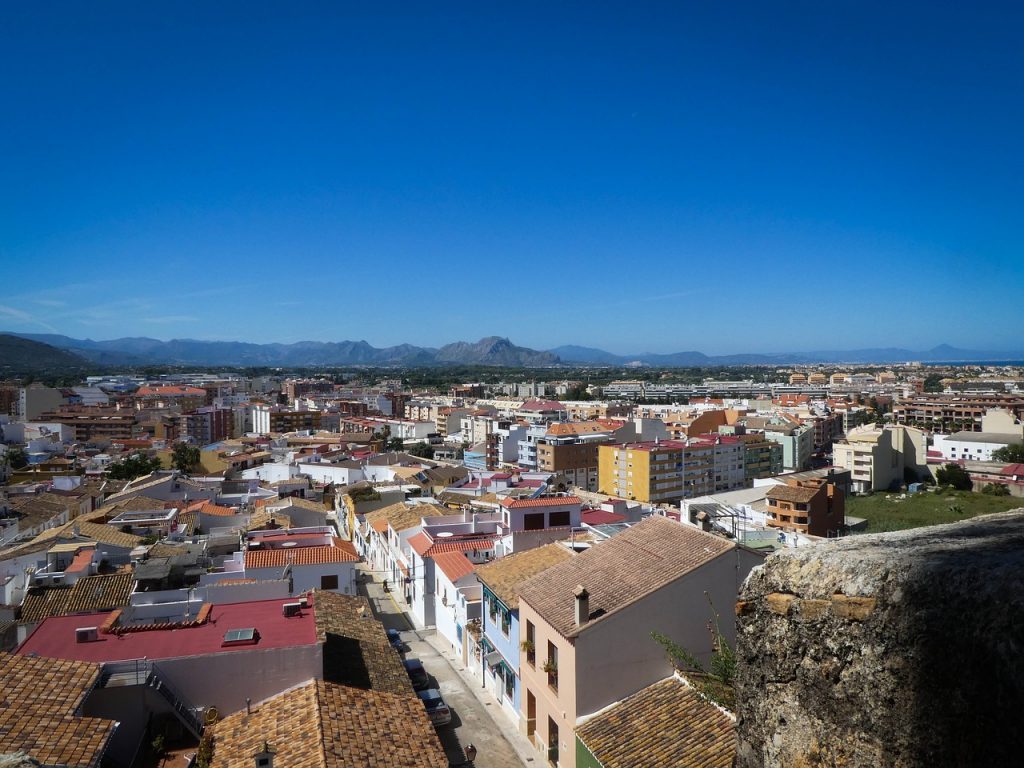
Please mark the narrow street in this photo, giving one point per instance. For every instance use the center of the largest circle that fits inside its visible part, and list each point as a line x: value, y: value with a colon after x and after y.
x: 471, y: 720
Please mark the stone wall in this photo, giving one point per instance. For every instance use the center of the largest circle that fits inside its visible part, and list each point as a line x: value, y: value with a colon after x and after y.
x: 895, y: 649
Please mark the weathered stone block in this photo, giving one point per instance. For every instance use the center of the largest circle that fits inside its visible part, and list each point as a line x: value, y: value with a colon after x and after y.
x: 914, y: 655
x: 779, y: 603
x: 856, y: 608
x: 812, y: 610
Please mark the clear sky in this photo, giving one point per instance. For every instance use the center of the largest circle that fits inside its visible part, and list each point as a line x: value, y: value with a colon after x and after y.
x: 726, y: 177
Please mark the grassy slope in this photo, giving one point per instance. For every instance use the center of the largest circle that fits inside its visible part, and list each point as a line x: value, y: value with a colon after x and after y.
x: 887, y: 512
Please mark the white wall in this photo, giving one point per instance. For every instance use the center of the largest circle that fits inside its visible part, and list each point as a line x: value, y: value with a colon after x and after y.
x: 307, y: 577
x: 971, y: 450
x: 214, y: 593
x: 446, y: 616
x: 271, y: 472
x: 326, y: 473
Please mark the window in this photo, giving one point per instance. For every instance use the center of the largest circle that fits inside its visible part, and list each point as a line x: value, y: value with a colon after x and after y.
x: 530, y: 644
x: 552, y: 742
x: 241, y: 637
x: 329, y: 582
x: 551, y: 665
x: 533, y: 521
x: 506, y: 621
x: 558, y: 519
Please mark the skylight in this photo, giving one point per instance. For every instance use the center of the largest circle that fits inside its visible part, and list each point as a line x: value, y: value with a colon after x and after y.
x: 241, y: 637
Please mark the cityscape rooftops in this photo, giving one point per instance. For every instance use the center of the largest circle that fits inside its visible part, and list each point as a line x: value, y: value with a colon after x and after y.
x: 170, y: 390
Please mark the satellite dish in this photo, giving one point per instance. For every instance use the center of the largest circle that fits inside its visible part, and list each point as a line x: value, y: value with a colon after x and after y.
x: 444, y: 534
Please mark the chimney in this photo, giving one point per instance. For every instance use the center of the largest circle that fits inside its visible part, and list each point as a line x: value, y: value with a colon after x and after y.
x: 582, y: 605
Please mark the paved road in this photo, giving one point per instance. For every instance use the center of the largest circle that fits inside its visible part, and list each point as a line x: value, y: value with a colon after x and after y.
x: 471, y: 720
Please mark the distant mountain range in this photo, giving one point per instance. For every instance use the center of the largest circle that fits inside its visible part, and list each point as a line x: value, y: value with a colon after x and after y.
x: 490, y: 351
x: 20, y: 356
x: 940, y: 354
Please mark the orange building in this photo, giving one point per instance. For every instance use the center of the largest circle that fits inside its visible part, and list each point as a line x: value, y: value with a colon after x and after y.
x: 814, y: 506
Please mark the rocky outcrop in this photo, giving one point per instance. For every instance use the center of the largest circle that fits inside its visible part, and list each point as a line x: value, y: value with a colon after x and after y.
x: 895, y: 649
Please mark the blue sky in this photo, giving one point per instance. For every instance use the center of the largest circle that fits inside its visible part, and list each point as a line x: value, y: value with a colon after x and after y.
x: 636, y: 176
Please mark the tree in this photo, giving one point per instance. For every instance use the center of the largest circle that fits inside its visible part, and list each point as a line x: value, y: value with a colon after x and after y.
x: 1011, y: 454
x: 954, y: 475
x: 16, y: 458
x: 185, y: 457
x: 135, y: 465
x: 422, y: 450
x: 390, y: 443
x: 578, y: 392
x: 996, y: 489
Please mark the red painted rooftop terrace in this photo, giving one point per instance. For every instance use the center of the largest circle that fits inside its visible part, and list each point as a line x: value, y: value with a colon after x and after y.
x: 58, y: 637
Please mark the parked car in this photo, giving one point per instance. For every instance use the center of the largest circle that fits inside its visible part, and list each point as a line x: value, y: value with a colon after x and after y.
x: 395, y: 638
x: 437, y: 710
x: 418, y: 675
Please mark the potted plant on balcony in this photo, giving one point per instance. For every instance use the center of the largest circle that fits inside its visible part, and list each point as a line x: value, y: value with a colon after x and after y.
x: 527, y: 645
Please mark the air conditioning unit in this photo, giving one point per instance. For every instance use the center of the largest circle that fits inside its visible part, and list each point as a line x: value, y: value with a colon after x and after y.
x: 291, y: 609
x: 304, y: 603
x: 86, y: 634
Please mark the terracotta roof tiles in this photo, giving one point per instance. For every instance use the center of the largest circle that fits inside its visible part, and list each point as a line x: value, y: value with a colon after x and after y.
x: 503, y: 576
x: 667, y: 723
x: 93, y: 593
x: 402, y: 516
x: 794, y: 493
x: 454, y: 565
x: 546, y: 501
x: 326, y: 725
x: 356, y: 649
x: 37, y: 711
x: 339, y: 551
x: 620, y: 571
x: 424, y: 546
x: 216, y: 510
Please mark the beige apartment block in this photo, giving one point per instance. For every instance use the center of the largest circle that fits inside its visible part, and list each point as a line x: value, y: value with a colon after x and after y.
x: 589, y: 621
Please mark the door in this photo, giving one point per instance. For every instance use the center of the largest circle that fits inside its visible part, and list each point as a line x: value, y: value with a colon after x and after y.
x: 531, y: 714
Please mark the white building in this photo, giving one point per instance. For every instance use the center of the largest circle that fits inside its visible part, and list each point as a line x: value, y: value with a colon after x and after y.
x: 312, y: 558
x: 999, y: 429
